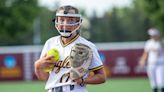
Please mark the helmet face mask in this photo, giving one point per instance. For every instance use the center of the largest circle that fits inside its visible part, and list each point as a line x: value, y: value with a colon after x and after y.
x: 67, y: 22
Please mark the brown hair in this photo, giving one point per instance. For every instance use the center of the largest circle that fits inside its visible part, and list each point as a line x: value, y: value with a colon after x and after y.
x: 68, y: 9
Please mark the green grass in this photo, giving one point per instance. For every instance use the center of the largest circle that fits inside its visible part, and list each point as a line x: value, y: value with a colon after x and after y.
x: 22, y: 86
x: 122, y: 85
x: 112, y: 85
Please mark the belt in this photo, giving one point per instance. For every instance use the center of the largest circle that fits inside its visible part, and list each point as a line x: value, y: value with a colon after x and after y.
x: 60, y: 88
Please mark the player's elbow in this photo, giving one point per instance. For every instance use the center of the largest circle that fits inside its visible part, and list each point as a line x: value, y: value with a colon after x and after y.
x: 41, y: 75
x: 100, y: 75
x: 42, y: 78
x: 103, y: 79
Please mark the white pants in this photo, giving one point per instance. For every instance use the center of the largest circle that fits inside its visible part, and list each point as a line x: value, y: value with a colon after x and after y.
x: 66, y: 88
x: 156, y: 75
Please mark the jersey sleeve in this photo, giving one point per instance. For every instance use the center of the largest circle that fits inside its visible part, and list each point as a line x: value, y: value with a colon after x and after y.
x: 96, y: 62
x: 147, y: 46
x: 45, y: 49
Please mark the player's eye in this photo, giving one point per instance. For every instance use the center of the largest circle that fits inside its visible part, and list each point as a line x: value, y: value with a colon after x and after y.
x: 71, y: 21
x: 61, y: 21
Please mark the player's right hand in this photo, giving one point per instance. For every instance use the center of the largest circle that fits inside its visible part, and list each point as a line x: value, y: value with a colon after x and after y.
x: 142, y: 63
x: 45, y: 62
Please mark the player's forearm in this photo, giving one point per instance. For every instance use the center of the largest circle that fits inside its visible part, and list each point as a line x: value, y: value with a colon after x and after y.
x: 143, y: 59
x: 144, y: 56
x: 39, y: 73
x: 96, y: 79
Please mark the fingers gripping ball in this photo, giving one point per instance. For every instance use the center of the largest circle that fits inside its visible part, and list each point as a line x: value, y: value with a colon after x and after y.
x: 55, y: 53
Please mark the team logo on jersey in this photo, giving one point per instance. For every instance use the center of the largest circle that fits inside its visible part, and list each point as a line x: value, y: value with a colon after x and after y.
x: 61, y: 64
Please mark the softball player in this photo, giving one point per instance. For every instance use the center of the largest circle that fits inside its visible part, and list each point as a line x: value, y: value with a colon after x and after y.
x: 67, y: 22
x: 154, y: 52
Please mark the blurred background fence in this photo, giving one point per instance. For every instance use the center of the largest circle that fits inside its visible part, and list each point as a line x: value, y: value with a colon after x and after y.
x: 120, y: 60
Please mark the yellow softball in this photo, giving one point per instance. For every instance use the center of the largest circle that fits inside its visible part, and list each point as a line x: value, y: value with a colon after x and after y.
x: 55, y: 53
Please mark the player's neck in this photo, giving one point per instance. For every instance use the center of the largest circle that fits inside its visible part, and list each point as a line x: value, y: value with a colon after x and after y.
x: 67, y: 40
